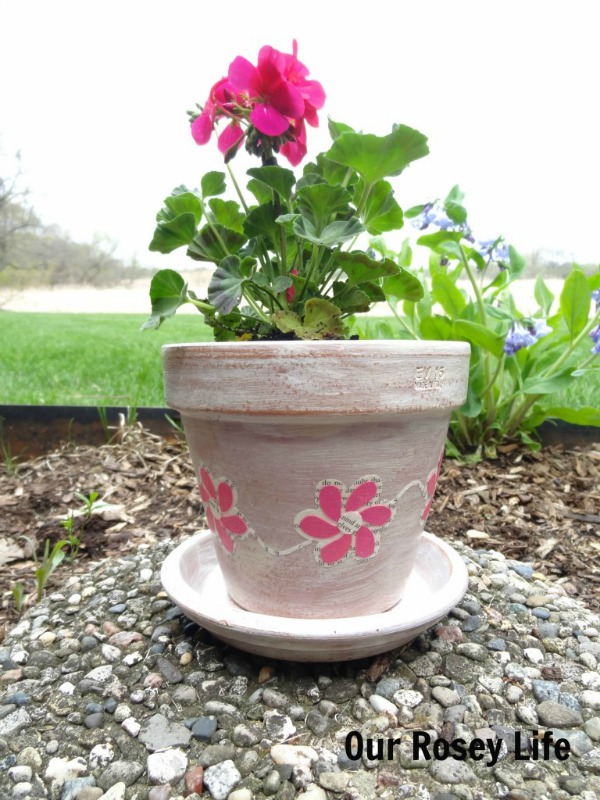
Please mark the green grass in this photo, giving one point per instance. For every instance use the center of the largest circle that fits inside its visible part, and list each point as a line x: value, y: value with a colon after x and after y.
x: 106, y: 360
x: 87, y: 359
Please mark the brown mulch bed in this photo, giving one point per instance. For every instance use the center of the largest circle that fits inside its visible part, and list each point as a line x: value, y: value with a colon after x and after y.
x: 542, y: 508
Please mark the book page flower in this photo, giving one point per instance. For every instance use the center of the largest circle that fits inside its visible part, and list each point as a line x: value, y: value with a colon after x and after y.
x: 219, y: 499
x: 432, y: 479
x: 346, y: 522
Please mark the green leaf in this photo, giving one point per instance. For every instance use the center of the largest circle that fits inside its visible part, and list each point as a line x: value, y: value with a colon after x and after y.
x: 434, y: 240
x: 280, y: 179
x: 320, y: 203
x: 360, y: 268
x: 575, y: 301
x: 436, y: 327
x: 261, y: 191
x: 180, y: 201
x: 351, y: 301
x: 212, y: 183
x: 321, y: 321
x: 382, y: 213
x: 227, y: 213
x: 226, y: 284
x: 261, y: 222
x: 337, y: 128
x: 168, y: 291
x: 543, y: 295
x: 479, y: 335
x: 453, y: 206
x: 445, y: 292
x: 332, y: 234
x: 374, y: 292
x: 281, y: 283
x: 168, y: 236
x: 473, y: 404
x: 575, y: 416
x: 377, y: 157
x: 214, y: 242
x: 516, y: 263
x: 537, y: 385
x: 403, y: 286
x: 176, y: 221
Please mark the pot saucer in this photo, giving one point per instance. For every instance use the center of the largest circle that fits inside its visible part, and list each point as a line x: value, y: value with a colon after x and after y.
x: 193, y: 580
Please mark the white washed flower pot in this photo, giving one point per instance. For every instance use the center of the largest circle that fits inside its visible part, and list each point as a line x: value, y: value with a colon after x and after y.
x: 316, y: 462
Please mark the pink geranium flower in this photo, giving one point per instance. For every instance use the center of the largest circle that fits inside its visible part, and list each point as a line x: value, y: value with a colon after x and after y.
x: 431, y: 484
x: 273, y: 98
x: 346, y: 521
x: 312, y: 92
x: 223, y: 518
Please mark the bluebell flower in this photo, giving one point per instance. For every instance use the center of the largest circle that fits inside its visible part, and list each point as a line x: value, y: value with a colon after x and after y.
x: 595, y: 334
x: 596, y: 298
x: 596, y: 348
x: 518, y: 336
x: 540, y: 328
x: 425, y: 218
x: 498, y: 253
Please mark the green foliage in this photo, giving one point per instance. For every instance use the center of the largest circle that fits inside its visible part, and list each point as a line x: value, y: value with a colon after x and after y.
x: 53, y: 359
x: 524, y: 369
x: 50, y: 561
x: 276, y: 257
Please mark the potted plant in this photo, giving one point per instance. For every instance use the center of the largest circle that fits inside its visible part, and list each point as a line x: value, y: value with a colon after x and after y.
x: 316, y: 453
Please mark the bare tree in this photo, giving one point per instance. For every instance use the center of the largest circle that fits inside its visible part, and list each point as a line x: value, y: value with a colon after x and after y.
x: 16, y: 214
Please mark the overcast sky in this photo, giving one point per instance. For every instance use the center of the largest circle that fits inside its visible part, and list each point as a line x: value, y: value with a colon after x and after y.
x: 94, y: 94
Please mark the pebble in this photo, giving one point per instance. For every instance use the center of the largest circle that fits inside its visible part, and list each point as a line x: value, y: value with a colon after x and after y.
x: 221, y: 779
x: 144, y: 696
x: 166, y: 766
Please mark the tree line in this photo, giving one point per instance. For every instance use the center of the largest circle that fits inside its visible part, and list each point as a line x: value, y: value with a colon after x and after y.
x: 35, y: 254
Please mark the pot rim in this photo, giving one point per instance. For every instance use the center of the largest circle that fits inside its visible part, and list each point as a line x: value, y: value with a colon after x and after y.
x: 305, y: 378
x: 300, y: 347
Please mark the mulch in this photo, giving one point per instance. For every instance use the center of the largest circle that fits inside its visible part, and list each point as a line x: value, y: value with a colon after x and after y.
x: 541, y: 508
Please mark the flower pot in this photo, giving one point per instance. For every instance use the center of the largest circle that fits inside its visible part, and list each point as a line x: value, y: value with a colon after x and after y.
x: 316, y: 463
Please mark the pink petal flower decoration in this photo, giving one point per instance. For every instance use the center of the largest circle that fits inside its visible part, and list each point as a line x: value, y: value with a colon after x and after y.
x: 346, y: 522
x: 222, y: 516
x: 432, y: 479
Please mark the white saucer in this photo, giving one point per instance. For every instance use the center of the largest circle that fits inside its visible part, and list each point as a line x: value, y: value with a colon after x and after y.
x: 192, y: 578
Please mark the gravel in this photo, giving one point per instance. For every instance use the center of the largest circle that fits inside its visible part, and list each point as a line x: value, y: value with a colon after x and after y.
x: 108, y: 693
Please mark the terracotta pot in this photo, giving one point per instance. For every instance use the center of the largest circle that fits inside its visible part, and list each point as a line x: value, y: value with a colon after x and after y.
x: 316, y: 463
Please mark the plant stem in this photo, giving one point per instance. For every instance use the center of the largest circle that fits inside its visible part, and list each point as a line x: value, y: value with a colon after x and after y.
x: 237, y: 188
x: 402, y: 322
x: 489, y: 391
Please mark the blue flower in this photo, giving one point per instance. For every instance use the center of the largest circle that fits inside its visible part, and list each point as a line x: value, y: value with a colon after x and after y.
x: 596, y: 348
x: 492, y: 249
x: 540, y: 328
x: 518, y: 337
x: 595, y: 334
x: 425, y: 218
x: 596, y: 298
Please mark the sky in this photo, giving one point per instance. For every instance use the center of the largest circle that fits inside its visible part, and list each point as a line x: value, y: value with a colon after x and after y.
x: 94, y: 93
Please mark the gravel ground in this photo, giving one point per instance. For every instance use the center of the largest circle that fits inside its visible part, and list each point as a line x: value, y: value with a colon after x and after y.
x: 106, y: 691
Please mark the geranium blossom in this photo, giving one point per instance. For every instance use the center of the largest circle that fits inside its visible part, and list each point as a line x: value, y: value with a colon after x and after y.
x: 223, y: 101
x: 346, y: 521
x: 432, y: 479
x: 219, y: 499
x: 273, y: 99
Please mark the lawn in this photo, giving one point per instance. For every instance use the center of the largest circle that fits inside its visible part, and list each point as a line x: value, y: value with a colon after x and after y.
x: 106, y: 360
x: 87, y: 359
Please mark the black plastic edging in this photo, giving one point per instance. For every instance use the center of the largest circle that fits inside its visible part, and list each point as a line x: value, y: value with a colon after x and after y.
x: 30, y: 431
